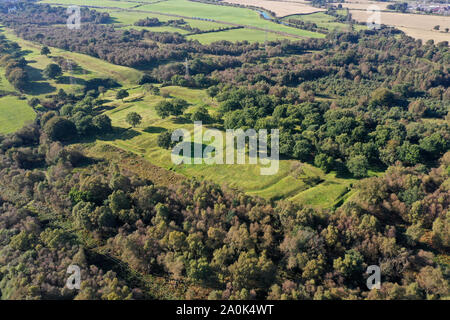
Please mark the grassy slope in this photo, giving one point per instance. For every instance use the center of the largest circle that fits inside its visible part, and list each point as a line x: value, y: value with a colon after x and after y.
x: 14, y: 113
x: 92, y: 67
x: 143, y: 142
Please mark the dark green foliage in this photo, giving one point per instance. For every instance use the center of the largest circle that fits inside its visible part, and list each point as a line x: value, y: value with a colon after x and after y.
x: 52, y: 71
x: 134, y: 119
x: 45, y: 51
x: 201, y: 114
x: 122, y: 94
x: 358, y: 166
x: 165, y: 140
x: 60, y: 129
x: 168, y: 108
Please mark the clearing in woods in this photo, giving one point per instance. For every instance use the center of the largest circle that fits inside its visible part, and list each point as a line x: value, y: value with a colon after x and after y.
x: 311, y: 186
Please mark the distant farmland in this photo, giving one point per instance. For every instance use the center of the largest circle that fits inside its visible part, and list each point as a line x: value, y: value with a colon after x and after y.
x: 201, y: 15
x: 415, y: 25
x: 364, y: 4
x: 280, y: 8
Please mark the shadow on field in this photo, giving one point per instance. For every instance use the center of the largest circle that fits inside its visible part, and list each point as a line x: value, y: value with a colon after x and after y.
x: 151, y: 129
x: 34, y: 74
x: 70, y: 80
x: 194, y: 146
x: 181, y: 120
x: 38, y: 88
x: 116, y: 134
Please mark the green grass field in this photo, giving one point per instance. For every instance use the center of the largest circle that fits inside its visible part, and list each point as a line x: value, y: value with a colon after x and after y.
x: 4, y: 83
x: 323, y: 20
x: 194, y: 10
x: 242, y: 16
x: 130, y: 17
x: 14, y: 114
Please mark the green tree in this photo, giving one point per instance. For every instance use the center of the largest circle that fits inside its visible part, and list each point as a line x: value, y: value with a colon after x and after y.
x: 409, y: 153
x: 33, y: 102
x: 122, y: 94
x: 383, y: 97
x: 118, y: 200
x: 18, y: 77
x: 45, y: 51
x: 200, y: 270
x: 351, y: 264
x: 324, y: 162
x: 165, y: 140
x: 201, y: 114
x: 134, y: 119
x: 302, y: 150
x: 60, y: 129
x: 52, y: 71
x: 358, y: 166
x: 164, y: 109
x: 102, y: 123
x: 178, y: 107
x: 441, y: 231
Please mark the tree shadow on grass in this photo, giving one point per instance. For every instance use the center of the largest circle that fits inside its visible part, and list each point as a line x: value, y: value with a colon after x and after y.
x: 117, y: 133
x: 134, y: 100
x: 38, y: 88
x: 121, y: 133
x: 104, y: 108
x: 34, y: 74
x: 23, y: 53
x: 193, y: 147
x: 70, y: 80
x: 151, y: 129
x: 79, y: 70
x: 181, y: 120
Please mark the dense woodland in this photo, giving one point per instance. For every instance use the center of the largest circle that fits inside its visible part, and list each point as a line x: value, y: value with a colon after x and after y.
x: 59, y: 207
x: 350, y: 102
